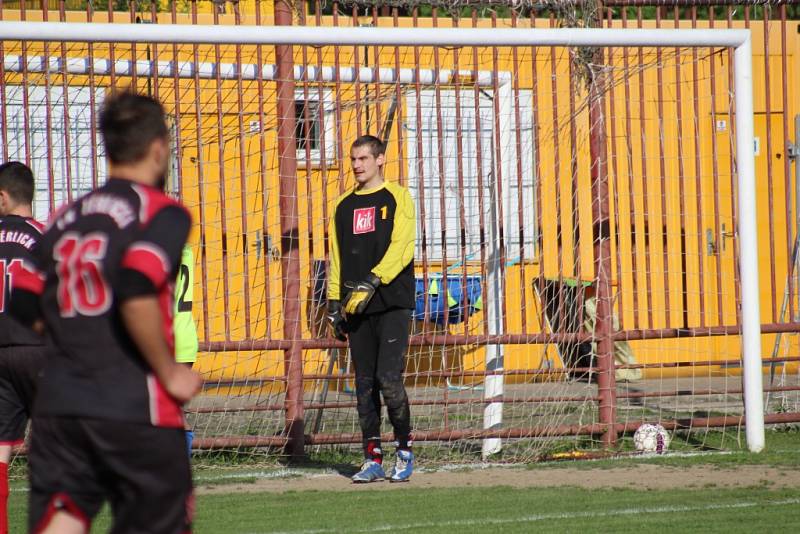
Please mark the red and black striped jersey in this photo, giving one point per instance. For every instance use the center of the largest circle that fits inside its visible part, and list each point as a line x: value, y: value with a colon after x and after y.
x: 120, y: 241
x: 18, y: 239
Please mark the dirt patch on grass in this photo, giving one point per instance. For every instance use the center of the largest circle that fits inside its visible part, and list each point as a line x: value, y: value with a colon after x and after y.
x: 642, y: 476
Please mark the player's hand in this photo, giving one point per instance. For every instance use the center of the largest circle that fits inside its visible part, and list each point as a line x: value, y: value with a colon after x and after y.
x: 336, y: 320
x: 361, y: 294
x: 182, y: 383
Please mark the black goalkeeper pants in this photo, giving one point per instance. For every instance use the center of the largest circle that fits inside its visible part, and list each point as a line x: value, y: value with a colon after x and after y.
x: 378, y: 344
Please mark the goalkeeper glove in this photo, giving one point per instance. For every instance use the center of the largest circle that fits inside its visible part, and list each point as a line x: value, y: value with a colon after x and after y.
x: 336, y: 320
x: 361, y: 294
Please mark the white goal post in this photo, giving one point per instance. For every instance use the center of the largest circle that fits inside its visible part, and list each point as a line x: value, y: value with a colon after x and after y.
x: 738, y: 39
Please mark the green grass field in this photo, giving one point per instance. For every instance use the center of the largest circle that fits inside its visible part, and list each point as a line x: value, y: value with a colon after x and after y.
x: 766, y: 506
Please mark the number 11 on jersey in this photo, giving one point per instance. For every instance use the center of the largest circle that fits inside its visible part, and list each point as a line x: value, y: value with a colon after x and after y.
x: 6, y: 270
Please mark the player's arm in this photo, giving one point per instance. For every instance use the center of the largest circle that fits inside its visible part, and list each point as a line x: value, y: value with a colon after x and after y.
x: 147, y: 266
x: 334, y: 290
x: 334, y: 316
x: 397, y: 257
x: 142, y: 318
x: 27, y: 284
x: 404, y: 235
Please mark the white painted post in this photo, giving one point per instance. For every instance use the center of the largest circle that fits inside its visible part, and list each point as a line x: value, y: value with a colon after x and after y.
x: 748, y: 249
x: 494, y: 384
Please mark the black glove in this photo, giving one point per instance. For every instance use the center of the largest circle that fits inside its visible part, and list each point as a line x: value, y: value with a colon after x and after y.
x: 361, y: 294
x: 336, y: 320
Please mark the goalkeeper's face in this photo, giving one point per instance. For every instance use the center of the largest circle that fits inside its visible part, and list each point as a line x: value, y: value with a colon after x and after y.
x: 366, y: 166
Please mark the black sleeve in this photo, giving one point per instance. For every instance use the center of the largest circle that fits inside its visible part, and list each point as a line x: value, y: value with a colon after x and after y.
x: 152, y: 259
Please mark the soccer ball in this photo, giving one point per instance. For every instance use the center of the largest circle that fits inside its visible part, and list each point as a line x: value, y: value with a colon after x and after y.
x: 651, y: 439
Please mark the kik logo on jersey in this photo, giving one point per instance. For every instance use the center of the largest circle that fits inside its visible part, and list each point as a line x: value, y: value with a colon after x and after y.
x: 364, y: 220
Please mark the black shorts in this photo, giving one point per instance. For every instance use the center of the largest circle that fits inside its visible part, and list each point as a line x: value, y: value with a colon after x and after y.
x: 142, y: 471
x: 19, y: 371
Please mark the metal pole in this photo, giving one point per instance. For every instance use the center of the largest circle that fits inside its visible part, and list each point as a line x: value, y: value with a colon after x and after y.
x: 795, y: 156
x: 606, y: 383
x: 290, y: 244
x: 748, y: 249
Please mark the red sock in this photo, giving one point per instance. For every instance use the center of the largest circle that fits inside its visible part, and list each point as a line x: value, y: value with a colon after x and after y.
x: 3, y: 498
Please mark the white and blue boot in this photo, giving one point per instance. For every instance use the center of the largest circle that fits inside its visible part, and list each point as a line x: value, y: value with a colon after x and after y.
x: 403, y: 467
x: 371, y: 471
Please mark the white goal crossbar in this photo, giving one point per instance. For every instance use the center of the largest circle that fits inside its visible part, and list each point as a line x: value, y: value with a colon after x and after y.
x: 738, y: 39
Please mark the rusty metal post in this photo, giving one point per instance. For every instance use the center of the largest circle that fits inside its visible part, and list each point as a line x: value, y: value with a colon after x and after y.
x: 606, y: 383
x: 290, y: 245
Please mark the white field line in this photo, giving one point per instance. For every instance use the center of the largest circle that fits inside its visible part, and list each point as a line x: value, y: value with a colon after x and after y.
x: 547, y: 517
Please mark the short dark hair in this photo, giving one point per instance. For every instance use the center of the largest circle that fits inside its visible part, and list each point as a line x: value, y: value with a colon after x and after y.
x: 16, y: 179
x: 129, y: 123
x: 376, y: 146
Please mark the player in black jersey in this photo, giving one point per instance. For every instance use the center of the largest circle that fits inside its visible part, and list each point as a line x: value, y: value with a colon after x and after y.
x: 370, y: 299
x: 108, y: 423
x: 21, y: 350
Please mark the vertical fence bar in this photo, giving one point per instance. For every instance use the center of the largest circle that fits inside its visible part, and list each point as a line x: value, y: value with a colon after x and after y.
x: 3, y: 104
x: 732, y: 163
x: 337, y: 92
x: 48, y: 121
x: 290, y: 253
x: 223, y: 219
x: 423, y: 234
x: 574, y: 221
x: 242, y: 180
x: 643, y: 152
x: 440, y: 147
x: 790, y: 231
x: 536, y: 153
x: 520, y: 189
x: 201, y: 205
x: 615, y: 173
x: 323, y: 146
x: 768, y: 155
x: 461, y: 189
x: 92, y: 104
x: 630, y: 204
x: 697, y: 163
x: 264, y: 180
x: 661, y: 183
x: 65, y: 106
x: 357, y: 81
x: 557, y: 179
x: 176, y: 83
x: 26, y: 123
x: 132, y: 19
x: 606, y: 382
x: 399, y: 108
x: 376, y: 52
x: 601, y: 232
x: 715, y: 166
x: 684, y: 201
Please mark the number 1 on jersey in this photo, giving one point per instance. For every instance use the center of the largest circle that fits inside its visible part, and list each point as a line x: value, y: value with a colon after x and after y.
x: 384, y: 212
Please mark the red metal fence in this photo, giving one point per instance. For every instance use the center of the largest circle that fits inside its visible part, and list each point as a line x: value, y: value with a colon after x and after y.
x: 592, y: 188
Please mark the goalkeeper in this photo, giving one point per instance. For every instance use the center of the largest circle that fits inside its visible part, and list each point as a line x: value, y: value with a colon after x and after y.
x: 184, y: 327
x: 371, y: 295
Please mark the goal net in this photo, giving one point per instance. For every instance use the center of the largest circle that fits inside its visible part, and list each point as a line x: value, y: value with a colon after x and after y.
x: 586, y: 238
